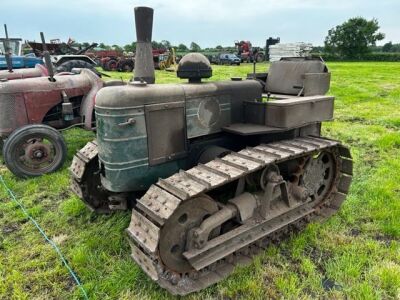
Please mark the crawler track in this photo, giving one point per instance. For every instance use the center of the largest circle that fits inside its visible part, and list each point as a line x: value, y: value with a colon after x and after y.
x: 220, y: 255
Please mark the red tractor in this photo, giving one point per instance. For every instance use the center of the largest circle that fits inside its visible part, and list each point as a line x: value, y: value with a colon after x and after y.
x: 31, y: 111
x: 248, y: 53
x: 123, y: 63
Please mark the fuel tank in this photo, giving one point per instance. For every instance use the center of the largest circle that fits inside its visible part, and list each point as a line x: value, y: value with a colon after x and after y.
x: 145, y: 131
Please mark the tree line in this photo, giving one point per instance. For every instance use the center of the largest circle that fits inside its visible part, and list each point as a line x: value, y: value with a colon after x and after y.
x: 354, y: 39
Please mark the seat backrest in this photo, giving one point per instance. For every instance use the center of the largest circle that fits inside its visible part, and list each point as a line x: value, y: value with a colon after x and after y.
x: 287, y: 77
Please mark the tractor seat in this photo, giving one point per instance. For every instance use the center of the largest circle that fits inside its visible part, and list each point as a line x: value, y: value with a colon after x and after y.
x: 298, y: 78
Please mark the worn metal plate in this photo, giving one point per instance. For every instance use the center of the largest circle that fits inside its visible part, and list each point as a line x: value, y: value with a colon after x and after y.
x: 338, y: 200
x: 303, y: 141
x: 249, y: 164
x: 75, y: 187
x: 144, y: 262
x: 344, y: 183
x: 319, y: 141
x: 166, y: 131
x: 158, y: 204
x: 144, y: 232
x: 266, y: 148
x: 211, y: 178
x: 347, y: 166
x: 77, y: 167
x: 181, y: 186
x: 89, y: 151
x: 225, y: 168
x: 284, y: 148
x: 265, y: 157
x: 296, y: 145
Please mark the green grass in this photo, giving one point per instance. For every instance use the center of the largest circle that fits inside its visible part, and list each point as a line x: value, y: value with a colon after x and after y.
x: 357, y: 250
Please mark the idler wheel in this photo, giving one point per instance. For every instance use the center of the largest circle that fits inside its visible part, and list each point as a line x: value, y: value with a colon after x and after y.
x: 319, y: 174
x: 174, y: 234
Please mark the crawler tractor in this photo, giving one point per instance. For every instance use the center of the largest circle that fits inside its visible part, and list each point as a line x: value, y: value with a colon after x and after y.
x: 213, y: 171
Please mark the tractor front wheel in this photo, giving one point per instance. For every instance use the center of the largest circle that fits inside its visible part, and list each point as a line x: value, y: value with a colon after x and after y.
x: 34, y: 150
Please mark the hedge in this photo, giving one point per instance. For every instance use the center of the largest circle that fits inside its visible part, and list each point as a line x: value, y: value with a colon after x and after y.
x: 375, y: 56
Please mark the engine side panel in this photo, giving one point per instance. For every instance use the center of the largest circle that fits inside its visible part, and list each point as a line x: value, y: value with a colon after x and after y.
x: 149, y: 129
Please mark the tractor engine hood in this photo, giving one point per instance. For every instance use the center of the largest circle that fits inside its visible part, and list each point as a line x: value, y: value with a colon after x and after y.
x: 27, y: 101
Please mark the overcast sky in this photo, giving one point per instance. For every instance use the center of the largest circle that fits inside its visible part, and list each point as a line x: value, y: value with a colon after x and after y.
x: 206, y: 22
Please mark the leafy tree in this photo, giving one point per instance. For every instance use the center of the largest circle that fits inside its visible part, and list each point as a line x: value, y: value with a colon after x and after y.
x: 104, y: 46
x: 166, y: 44
x: 219, y: 47
x: 157, y: 45
x: 117, y: 47
x: 353, y: 38
x: 182, y: 47
x: 130, y: 47
x: 387, y: 47
x: 195, y: 47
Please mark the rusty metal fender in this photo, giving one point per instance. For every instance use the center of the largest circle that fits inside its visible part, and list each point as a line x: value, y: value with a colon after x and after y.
x: 88, y: 101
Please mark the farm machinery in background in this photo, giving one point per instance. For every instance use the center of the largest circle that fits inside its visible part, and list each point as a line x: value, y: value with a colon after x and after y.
x: 64, y: 56
x: 248, y: 53
x: 15, y: 66
x: 111, y: 60
x: 32, y: 109
x: 11, y: 54
x: 214, y: 171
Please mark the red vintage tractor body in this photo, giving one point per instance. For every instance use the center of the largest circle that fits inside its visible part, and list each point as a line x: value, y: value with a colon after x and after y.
x: 32, y: 109
x: 35, y: 101
x: 37, y: 71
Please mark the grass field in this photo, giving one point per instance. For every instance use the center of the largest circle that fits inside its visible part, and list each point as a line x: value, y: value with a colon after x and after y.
x: 355, y: 255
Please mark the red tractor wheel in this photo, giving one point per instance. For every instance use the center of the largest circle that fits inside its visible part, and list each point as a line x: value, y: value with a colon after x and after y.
x: 34, y: 150
x: 126, y: 66
x: 111, y: 65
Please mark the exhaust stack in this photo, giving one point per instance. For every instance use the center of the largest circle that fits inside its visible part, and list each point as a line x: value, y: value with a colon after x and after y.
x: 144, y: 65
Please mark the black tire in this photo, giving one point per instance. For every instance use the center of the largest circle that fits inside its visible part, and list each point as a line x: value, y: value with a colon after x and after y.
x: 76, y: 63
x: 126, y: 67
x: 22, y: 149
x: 111, y: 65
x: 260, y: 57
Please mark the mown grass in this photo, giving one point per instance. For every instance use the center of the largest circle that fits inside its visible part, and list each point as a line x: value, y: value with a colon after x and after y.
x: 355, y: 255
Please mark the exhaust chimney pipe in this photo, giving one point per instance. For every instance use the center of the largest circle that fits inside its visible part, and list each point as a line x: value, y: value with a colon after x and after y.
x: 144, y: 64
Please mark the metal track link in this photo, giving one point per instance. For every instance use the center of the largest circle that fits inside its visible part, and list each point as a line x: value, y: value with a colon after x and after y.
x: 165, y: 196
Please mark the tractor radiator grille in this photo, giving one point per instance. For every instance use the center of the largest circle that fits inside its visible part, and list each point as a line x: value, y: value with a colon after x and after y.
x: 8, y: 120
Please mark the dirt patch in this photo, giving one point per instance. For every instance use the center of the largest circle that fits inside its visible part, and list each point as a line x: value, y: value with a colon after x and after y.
x: 9, y: 228
x: 318, y: 257
x: 385, y: 239
x: 355, y: 232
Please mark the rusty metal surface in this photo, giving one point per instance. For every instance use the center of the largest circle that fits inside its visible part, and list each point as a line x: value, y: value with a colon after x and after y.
x: 80, y: 160
x: 158, y: 204
x: 37, y: 71
x: 144, y: 232
x: 216, y: 260
x: 34, y: 97
x: 166, y: 140
x: 144, y: 65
